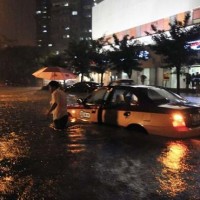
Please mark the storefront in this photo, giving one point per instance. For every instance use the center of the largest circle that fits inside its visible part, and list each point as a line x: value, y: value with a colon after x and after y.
x: 109, y: 17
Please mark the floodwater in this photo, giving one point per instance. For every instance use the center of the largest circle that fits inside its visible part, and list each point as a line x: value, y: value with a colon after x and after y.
x: 88, y: 161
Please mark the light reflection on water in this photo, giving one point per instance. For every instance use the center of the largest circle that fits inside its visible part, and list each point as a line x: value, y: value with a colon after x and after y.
x: 10, y: 94
x: 76, y: 137
x: 6, y: 184
x: 10, y: 151
x: 9, y: 147
x: 174, y: 164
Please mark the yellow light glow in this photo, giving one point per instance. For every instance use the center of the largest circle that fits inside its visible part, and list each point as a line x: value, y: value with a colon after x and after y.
x: 73, y: 120
x: 174, y: 164
x: 178, y: 120
x: 76, y: 136
x: 11, y: 149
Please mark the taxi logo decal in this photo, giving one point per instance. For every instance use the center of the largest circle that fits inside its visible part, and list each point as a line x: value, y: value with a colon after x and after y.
x: 84, y: 114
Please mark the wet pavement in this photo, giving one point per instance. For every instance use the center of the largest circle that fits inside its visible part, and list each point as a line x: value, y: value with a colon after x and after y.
x: 88, y: 161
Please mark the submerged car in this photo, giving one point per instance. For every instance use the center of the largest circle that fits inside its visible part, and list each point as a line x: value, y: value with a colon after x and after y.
x: 147, y: 109
x: 82, y: 87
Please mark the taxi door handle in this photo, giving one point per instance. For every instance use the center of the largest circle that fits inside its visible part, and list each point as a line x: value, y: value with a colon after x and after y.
x: 126, y: 114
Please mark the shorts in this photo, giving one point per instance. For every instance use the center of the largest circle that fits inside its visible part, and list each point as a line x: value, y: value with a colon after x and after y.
x: 61, y: 123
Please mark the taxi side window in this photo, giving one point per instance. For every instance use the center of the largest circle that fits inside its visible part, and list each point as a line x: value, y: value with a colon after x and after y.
x: 156, y: 97
x: 131, y: 98
x: 117, y: 97
x: 97, y: 97
x: 124, y: 98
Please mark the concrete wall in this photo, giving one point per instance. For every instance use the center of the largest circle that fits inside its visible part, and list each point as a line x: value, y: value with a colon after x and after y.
x: 111, y: 16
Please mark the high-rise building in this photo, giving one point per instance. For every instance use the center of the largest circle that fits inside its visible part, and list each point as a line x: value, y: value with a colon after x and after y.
x: 43, y: 24
x: 61, y: 21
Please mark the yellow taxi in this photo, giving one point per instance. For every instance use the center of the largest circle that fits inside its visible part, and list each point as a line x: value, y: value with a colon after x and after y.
x: 148, y: 109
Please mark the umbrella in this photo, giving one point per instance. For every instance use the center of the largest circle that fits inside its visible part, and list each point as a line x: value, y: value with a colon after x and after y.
x: 54, y: 73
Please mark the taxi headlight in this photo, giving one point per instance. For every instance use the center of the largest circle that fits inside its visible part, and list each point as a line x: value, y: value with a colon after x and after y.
x: 73, y: 111
x: 73, y: 120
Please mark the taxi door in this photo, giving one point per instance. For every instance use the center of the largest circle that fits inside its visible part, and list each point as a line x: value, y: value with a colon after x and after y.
x: 116, y: 110
x: 92, y: 105
x: 89, y: 113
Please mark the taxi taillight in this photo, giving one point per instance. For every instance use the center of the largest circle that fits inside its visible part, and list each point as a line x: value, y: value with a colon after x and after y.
x: 178, y: 122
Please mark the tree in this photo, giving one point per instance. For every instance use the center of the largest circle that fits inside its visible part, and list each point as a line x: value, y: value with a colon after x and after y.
x: 18, y: 63
x: 54, y: 60
x: 125, y: 54
x: 78, y: 56
x: 99, y: 56
x: 5, y: 42
x: 172, y: 44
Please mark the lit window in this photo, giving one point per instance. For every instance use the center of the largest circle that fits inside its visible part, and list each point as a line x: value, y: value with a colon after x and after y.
x: 50, y: 45
x: 38, y: 12
x: 66, y: 4
x: 88, y: 16
x: 66, y: 36
x: 67, y: 28
x: 44, y: 31
x: 74, y: 13
x: 87, y: 7
x: 90, y: 30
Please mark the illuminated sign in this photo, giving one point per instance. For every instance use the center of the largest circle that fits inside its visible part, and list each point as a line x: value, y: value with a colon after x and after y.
x: 144, y: 55
x: 194, y: 45
x: 84, y: 114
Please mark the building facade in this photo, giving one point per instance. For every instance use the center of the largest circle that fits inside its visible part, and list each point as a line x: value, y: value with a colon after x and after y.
x: 43, y: 24
x: 134, y: 18
x: 61, y: 21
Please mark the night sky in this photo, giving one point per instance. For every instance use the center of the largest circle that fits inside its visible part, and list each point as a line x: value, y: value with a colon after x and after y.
x: 17, y: 21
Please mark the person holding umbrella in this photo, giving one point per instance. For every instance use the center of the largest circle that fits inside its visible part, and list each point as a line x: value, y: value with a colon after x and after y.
x: 58, y: 106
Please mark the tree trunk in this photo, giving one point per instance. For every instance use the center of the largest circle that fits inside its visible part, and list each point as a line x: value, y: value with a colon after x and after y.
x: 178, y: 70
x: 102, y: 79
x: 82, y: 77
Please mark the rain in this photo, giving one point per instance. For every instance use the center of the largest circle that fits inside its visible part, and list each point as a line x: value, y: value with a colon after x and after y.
x: 87, y: 161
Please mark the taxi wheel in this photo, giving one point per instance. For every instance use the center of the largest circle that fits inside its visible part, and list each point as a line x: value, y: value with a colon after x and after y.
x: 137, y: 129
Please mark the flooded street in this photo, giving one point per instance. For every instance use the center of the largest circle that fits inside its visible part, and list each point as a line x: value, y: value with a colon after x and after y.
x: 88, y: 161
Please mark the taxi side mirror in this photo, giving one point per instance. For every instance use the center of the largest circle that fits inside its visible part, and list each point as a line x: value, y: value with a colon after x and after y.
x: 80, y: 101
